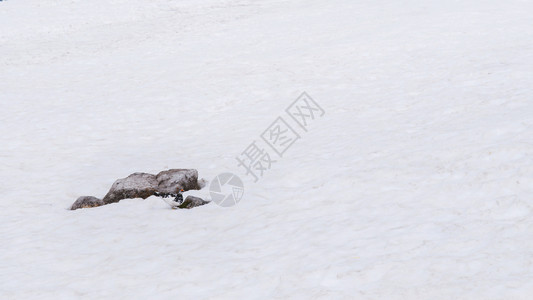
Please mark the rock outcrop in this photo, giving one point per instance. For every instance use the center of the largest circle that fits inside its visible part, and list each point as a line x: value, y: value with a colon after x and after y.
x: 192, y: 201
x: 137, y: 185
x: 86, y: 202
x: 144, y: 185
x: 173, y: 180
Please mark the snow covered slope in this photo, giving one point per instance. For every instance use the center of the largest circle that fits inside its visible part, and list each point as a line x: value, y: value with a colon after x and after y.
x: 416, y: 184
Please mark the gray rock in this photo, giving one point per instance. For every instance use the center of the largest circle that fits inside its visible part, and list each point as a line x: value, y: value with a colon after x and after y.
x: 192, y: 201
x: 144, y: 185
x: 202, y: 183
x: 86, y: 202
x: 173, y: 180
x: 137, y: 185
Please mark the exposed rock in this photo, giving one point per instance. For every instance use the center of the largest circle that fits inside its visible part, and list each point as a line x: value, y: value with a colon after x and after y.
x: 86, y: 202
x: 192, y: 201
x: 202, y: 183
x: 173, y: 180
x: 137, y: 185
x: 144, y: 185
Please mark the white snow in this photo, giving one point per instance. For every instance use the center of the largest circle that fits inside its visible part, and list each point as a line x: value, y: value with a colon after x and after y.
x: 416, y: 184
